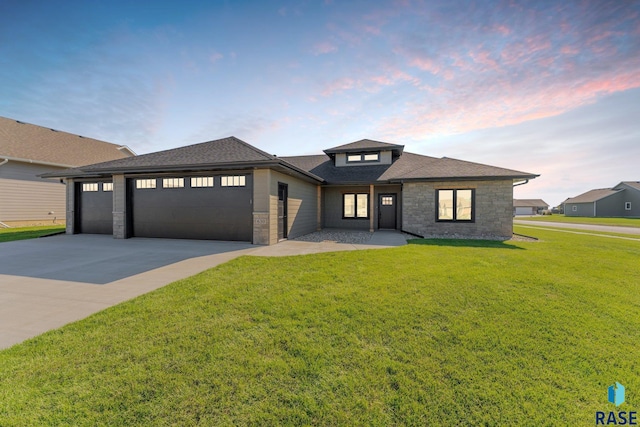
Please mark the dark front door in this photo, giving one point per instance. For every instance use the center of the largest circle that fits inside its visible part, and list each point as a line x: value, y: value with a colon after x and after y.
x: 387, y: 211
x: 282, y: 210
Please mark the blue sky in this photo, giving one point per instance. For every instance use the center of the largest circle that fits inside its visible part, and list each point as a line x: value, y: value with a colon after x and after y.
x: 546, y: 87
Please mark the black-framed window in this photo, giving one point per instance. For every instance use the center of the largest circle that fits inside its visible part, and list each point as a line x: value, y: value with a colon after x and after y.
x: 455, y: 205
x: 627, y: 206
x: 355, y: 205
x: 363, y: 157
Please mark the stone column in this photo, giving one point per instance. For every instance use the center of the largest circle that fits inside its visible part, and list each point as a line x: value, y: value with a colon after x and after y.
x: 71, y: 206
x: 119, y: 207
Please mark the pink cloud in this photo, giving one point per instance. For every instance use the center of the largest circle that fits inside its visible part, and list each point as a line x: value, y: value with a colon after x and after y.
x: 324, y: 48
x: 339, y: 85
x: 569, y: 50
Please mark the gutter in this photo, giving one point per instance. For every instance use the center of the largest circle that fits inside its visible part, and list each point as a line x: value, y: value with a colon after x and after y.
x: 521, y: 183
x: 4, y: 162
x: 17, y: 159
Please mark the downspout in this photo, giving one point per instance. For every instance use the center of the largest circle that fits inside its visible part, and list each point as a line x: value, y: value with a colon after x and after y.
x: 521, y: 183
x: 4, y: 162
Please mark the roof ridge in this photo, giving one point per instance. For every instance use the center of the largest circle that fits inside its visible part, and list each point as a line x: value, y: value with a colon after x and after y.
x: 256, y: 149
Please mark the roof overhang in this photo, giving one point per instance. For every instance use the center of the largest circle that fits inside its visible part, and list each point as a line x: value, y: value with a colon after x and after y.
x: 35, y: 162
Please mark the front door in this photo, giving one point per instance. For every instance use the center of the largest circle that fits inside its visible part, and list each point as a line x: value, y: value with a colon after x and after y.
x: 282, y: 210
x: 387, y: 211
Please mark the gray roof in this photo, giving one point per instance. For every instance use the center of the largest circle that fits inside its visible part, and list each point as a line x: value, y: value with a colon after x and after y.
x: 27, y: 142
x: 365, y: 145
x: 633, y: 184
x: 409, y: 166
x: 530, y: 203
x: 231, y: 152
x: 592, y: 196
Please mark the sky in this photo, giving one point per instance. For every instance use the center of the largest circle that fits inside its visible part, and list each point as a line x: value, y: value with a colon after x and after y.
x: 546, y: 87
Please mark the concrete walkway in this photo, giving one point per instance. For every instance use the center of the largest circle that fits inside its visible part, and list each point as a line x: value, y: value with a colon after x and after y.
x: 588, y: 227
x: 47, y: 283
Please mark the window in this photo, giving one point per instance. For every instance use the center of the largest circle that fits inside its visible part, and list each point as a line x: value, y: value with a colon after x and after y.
x: 201, y: 181
x: 360, y: 157
x: 387, y: 200
x: 145, y: 183
x: 627, y: 206
x: 232, y: 181
x: 107, y: 186
x: 90, y: 186
x: 355, y: 205
x: 172, y: 182
x: 574, y: 208
x: 455, y: 205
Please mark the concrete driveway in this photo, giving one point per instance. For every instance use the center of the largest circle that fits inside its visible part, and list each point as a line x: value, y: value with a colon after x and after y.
x: 47, y: 283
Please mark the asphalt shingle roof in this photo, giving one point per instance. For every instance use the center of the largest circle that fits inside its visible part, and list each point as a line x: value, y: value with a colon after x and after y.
x: 532, y: 203
x: 592, y: 195
x: 364, y: 145
x: 634, y: 184
x: 219, y: 152
x: 25, y: 141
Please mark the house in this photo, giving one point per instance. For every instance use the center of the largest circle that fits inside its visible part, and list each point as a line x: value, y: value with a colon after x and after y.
x: 229, y: 190
x: 529, y: 206
x: 27, y: 151
x: 623, y: 200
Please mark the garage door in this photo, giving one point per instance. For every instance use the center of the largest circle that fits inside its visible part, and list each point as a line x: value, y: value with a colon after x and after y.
x: 96, y: 207
x: 192, y: 207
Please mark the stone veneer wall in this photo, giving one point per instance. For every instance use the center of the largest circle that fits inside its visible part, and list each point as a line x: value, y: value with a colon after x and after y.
x: 71, y: 206
x: 119, y: 207
x: 493, y: 210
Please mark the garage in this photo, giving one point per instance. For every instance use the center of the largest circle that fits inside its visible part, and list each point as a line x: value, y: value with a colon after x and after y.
x: 213, y: 207
x: 95, y: 200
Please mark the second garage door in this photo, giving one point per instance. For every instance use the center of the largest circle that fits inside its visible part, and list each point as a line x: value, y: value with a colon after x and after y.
x: 192, y: 207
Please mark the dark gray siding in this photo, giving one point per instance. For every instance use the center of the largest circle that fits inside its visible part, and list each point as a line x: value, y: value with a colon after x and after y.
x: 388, y: 189
x: 631, y: 195
x: 332, y: 208
x: 26, y: 197
x: 581, y: 209
x: 612, y: 205
x: 302, y: 204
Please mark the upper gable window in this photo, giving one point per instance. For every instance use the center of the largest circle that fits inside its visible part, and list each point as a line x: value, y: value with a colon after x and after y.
x: 362, y: 157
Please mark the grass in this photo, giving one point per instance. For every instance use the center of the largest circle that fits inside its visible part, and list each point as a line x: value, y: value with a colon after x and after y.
x: 22, y: 233
x: 523, y: 229
x: 440, y: 332
x: 623, y: 222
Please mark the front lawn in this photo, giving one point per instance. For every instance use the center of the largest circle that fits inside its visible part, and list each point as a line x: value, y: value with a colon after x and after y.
x: 624, y: 222
x: 436, y: 333
x: 21, y: 233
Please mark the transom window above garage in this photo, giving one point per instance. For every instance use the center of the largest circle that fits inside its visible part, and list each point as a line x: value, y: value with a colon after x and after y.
x: 363, y: 157
x: 172, y: 182
x: 145, y: 183
x: 233, y: 181
x: 89, y: 186
x: 201, y: 181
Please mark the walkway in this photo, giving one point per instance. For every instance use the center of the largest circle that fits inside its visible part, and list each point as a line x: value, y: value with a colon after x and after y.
x: 47, y: 283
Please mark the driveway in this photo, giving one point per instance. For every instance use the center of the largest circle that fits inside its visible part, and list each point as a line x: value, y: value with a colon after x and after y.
x: 49, y: 282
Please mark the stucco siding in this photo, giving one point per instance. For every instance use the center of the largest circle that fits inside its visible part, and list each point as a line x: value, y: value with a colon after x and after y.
x: 26, y: 197
x: 493, y: 210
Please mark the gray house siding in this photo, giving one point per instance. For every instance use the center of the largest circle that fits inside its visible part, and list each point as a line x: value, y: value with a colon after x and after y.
x: 610, y: 206
x: 493, y: 210
x: 302, y: 205
x: 26, y: 197
x: 578, y: 209
x: 332, y: 199
x: 631, y: 195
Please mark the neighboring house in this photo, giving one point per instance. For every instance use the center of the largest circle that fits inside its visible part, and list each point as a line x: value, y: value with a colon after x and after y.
x: 27, y: 151
x: 623, y: 200
x: 229, y: 190
x: 529, y: 206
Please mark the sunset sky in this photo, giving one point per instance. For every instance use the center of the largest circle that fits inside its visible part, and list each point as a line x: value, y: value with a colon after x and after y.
x: 551, y: 88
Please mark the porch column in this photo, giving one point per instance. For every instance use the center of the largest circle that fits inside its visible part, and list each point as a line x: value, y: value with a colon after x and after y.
x: 371, y: 207
x: 71, y: 206
x: 319, y: 209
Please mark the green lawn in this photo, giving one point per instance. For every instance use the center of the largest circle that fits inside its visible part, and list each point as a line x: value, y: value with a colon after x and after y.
x: 11, y: 234
x: 624, y: 222
x: 438, y: 333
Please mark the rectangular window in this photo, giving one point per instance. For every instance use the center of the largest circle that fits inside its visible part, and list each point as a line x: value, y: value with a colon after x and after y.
x: 145, y: 183
x: 107, y: 186
x: 574, y: 208
x: 90, y: 186
x: 387, y: 200
x: 201, y: 181
x: 627, y: 206
x: 360, y: 157
x: 455, y: 205
x: 233, y: 181
x: 172, y: 182
x: 355, y: 205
